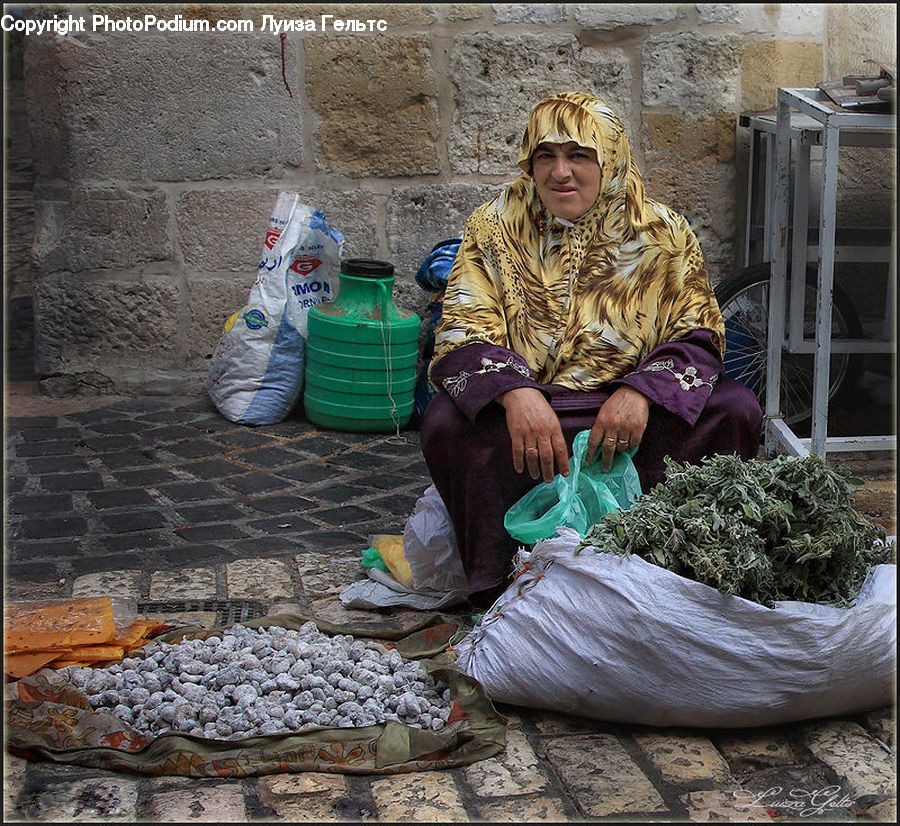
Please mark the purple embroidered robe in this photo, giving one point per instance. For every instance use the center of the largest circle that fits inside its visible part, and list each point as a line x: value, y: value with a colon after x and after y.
x: 695, y: 411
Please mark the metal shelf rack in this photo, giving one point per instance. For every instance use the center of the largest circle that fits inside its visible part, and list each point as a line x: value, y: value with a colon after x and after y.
x: 816, y: 122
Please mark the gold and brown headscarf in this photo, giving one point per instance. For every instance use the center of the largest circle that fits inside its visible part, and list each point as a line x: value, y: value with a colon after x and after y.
x: 583, y: 302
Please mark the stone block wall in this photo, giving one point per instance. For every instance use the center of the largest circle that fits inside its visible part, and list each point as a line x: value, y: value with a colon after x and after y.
x: 160, y: 154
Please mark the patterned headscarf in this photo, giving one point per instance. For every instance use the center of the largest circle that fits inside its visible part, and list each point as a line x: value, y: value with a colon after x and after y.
x: 584, y: 301
x: 589, y: 122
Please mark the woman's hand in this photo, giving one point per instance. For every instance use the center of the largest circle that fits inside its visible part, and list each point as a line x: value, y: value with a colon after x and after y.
x: 619, y: 425
x: 535, y: 433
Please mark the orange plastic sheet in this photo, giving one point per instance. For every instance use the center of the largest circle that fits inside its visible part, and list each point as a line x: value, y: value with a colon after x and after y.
x: 66, y: 632
x: 22, y: 665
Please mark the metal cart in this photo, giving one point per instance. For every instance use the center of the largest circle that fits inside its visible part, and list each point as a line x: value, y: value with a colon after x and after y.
x: 817, y: 122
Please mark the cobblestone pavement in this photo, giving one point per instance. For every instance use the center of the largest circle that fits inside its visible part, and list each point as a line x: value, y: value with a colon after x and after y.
x: 166, y: 502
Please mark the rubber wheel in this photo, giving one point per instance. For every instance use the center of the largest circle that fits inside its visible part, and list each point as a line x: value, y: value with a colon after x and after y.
x: 744, y: 302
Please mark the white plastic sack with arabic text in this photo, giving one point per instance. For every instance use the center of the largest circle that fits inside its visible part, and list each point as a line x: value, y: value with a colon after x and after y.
x: 618, y: 639
x: 256, y: 373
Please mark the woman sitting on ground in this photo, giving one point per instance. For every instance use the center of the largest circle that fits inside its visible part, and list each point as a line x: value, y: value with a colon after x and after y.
x: 574, y: 303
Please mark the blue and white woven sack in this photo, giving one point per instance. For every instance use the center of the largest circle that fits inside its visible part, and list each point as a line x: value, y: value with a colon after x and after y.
x: 256, y: 374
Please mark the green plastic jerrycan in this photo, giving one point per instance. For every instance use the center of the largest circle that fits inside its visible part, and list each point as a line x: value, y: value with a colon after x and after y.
x: 361, y: 354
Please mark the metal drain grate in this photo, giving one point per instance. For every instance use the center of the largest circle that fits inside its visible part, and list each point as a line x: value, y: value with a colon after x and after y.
x: 228, y: 611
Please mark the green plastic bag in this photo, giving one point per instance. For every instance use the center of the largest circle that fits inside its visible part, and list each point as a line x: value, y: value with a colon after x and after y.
x: 576, y: 501
x: 372, y: 559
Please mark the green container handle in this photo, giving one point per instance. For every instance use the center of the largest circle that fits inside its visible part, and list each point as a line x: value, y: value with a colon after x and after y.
x: 385, y: 302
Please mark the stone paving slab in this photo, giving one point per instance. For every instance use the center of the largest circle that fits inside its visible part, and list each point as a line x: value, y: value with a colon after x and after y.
x: 161, y: 501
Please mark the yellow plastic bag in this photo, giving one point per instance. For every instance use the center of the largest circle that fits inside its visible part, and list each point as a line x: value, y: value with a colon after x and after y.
x: 390, y: 548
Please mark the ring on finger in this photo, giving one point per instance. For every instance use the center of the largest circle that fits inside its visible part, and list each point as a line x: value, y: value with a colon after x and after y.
x: 625, y: 442
x: 611, y: 440
x: 531, y: 450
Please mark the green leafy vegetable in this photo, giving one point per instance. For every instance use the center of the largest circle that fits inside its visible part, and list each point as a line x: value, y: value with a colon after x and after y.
x: 784, y: 529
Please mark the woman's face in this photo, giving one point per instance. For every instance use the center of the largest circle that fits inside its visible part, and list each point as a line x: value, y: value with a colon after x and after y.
x: 567, y: 177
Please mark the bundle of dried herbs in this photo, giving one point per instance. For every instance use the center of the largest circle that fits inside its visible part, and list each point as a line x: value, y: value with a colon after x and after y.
x: 784, y: 529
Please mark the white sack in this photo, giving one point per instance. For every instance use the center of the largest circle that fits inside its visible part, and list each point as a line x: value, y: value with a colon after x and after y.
x: 618, y: 639
x: 429, y: 545
x: 381, y: 590
x: 256, y: 373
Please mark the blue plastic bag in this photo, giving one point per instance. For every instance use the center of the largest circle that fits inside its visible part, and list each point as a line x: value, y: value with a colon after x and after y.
x: 576, y: 501
x: 432, y: 276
